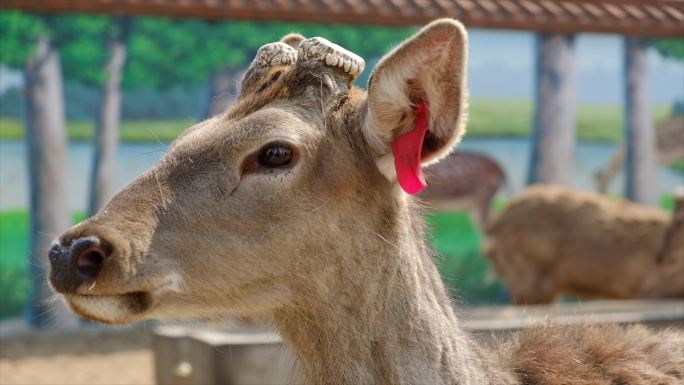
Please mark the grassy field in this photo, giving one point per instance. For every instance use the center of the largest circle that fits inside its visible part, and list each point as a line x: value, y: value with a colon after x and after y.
x: 488, y: 118
x: 464, y: 269
x: 603, y: 122
x: 14, y: 284
x: 678, y: 165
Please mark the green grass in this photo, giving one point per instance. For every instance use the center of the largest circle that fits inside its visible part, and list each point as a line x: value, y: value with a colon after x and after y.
x: 464, y: 269
x: 14, y: 282
x: 13, y: 239
x: 488, y: 118
x: 600, y: 122
x: 678, y: 165
x: 14, y: 291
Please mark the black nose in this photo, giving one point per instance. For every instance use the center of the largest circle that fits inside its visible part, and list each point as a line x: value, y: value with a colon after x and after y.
x: 81, y: 261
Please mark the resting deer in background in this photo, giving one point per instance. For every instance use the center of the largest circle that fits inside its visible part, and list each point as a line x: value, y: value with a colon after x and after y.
x: 464, y: 181
x: 551, y: 240
x: 290, y: 207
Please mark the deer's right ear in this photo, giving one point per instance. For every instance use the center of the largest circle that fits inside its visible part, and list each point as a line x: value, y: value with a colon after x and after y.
x: 417, y: 102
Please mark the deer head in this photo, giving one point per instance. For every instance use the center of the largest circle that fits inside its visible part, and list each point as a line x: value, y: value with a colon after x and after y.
x: 299, y: 180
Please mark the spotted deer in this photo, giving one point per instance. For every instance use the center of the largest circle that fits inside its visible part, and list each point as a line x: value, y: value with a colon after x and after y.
x: 552, y: 241
x: 464, y: 181
x: 293, y: 206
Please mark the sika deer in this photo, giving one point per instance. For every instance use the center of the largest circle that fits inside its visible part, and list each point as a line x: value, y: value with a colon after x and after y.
x: 552, y: 240
x: 464, y: 181
x: 290, y: 206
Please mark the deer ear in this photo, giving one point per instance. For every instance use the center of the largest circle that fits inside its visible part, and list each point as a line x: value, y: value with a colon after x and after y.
x: 417, y: 102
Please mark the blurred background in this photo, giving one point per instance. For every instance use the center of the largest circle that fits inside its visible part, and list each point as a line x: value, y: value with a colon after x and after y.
x: 88, y: 101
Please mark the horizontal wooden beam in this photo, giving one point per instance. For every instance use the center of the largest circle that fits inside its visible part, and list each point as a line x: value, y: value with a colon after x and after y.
x: 626, y: 17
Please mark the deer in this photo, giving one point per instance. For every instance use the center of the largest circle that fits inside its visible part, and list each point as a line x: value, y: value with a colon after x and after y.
x: 552, y: 241
x: 669, y: 148
x: 296, y: 206
x: 464, y: 181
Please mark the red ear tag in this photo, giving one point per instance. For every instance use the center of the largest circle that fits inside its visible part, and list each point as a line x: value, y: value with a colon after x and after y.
x: 407, y: 150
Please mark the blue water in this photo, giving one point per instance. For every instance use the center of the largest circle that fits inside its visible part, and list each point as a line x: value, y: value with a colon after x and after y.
x: 512, y: 153
x: 133, y: 159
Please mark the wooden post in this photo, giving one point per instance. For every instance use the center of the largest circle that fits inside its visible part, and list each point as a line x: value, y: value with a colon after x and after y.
x: 553, y: 138
x: 640, y: 166
x: 45, y: 136
x: 185, y: 355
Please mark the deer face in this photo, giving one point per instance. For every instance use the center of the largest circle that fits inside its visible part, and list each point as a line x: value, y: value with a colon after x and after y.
x: 248, y: 210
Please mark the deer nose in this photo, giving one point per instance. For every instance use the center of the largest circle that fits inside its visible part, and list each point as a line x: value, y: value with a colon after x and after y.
x: 79, y: 262
x: 87, y: 255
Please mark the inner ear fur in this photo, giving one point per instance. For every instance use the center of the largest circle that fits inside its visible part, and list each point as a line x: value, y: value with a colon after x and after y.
x: 431, y: 65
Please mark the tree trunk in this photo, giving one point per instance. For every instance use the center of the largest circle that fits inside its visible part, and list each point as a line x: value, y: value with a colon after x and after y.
x: 553, y: 138
x: 49, y: 209
x: 223, y: 89
x: 640, y: 165
x: 103, y: 180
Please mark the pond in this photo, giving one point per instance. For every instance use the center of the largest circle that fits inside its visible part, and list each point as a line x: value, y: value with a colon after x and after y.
x: 134, y: 158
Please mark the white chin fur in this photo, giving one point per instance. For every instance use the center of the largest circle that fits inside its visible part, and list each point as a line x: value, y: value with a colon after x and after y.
x: 106, y: 308
x: 116, y: 310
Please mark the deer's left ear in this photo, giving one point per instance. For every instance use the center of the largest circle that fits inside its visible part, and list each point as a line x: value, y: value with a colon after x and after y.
x: 417, y: 102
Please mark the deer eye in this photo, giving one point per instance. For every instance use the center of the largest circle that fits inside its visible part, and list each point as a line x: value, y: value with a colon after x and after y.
x: 275, y: 155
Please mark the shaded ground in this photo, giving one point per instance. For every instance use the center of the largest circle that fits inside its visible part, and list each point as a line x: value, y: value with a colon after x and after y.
x: 89, y: 356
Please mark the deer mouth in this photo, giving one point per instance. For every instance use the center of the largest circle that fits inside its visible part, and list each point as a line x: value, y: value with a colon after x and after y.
x: 111, y: 308
x: 126, y: 306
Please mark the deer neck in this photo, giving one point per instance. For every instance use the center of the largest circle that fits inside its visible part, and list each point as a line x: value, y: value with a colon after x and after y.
x: 381, y: 317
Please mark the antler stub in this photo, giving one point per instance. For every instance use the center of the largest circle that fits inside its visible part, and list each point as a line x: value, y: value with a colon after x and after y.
x: 332, y: 55
x: 273, y: 54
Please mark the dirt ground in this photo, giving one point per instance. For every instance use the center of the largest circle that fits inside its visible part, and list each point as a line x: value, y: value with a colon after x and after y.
x: 125, y: 367
x: 89, y: 356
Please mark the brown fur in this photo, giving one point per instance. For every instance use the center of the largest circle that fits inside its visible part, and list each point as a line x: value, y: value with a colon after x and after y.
x: 327, y: 248
x: 552, y: 240
x: 596, y: 355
